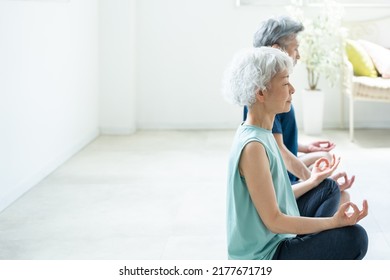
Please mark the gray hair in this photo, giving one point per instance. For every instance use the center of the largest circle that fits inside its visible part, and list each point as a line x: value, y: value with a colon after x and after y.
x: 252, y: 70
x: 277, y: 31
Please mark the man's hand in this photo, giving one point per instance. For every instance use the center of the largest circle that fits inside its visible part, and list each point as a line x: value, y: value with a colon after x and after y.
x: 344, y: 184
x: 320, y: 146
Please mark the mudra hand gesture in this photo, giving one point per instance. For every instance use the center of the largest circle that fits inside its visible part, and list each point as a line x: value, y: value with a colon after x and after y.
x: 323, y: 168
x: 345, y: 217
x: 320, y: 146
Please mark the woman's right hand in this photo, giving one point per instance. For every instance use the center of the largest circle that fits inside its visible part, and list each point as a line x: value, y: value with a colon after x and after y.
x: 343, y: 217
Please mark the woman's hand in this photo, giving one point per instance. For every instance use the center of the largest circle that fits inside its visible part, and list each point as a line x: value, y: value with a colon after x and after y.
x: 343, y: 217
x: 323, y: 168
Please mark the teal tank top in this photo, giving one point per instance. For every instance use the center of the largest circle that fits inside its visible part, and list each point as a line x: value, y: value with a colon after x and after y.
x: 247, y: 236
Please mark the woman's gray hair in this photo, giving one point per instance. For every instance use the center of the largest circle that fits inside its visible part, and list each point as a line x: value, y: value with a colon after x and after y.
x: 277, y: 31
x: 252, y: 70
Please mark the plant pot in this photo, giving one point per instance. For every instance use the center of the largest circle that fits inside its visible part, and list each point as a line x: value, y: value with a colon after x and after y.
x: 313, y: 111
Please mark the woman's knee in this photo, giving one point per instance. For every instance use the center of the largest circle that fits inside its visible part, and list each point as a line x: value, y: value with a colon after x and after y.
x: 331, y: 187
x: 357, y: 239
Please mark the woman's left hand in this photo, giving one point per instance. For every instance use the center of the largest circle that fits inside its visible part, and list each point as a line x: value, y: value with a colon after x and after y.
x: 323, y: 168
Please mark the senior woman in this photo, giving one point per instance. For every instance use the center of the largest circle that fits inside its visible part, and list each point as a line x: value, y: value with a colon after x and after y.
x: 263, y: 220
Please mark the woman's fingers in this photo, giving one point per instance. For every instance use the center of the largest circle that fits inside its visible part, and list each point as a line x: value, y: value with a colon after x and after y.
x: 322, y: 164
x: 344, y: 207
x: 335, y: 162
x: 364, y: 211
x: 356, y: 215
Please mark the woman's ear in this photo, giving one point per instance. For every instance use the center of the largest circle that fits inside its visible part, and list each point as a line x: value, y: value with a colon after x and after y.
x: 260, y: 95
x: 276, y: 46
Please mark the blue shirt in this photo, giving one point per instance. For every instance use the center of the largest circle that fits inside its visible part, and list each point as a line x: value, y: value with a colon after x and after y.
x: 286, y: 125
x: 248, y: 238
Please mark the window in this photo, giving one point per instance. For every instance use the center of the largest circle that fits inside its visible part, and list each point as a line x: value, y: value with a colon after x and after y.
x: 262, y: 2
x: 346, y: 3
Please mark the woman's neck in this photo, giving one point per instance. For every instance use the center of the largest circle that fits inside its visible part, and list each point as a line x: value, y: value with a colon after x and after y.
x: 260, y: 119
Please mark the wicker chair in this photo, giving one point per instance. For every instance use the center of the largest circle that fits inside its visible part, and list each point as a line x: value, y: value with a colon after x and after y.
x: 362, y: 89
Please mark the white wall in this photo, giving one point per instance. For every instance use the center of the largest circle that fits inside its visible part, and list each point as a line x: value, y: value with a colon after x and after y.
x: 117, y: 66
x: 48, y: 88
x: 183, y: 47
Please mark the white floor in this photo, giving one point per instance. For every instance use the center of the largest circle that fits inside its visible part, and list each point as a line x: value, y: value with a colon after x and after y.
x: 161, y: 195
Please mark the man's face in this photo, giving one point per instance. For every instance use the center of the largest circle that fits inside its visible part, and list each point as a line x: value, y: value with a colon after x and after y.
x: 292, y: 50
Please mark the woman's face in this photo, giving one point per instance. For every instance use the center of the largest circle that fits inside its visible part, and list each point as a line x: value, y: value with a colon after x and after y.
x: 279, y: 93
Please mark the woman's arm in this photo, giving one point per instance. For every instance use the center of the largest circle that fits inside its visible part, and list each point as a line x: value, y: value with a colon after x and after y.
x: 254, y: 166
x: 293, y: 163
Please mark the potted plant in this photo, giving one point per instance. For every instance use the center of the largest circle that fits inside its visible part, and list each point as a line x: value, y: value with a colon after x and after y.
x: 321, y: 50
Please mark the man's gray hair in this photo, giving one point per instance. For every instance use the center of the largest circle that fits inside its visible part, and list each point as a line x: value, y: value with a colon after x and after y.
x: 278, y: 30
x: 252, y: 70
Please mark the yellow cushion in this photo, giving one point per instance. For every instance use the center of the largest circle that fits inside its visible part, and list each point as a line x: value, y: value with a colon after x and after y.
x: 360, y: 59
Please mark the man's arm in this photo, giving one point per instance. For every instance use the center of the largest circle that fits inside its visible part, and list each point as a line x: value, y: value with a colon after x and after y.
x: 293, y: 164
